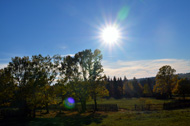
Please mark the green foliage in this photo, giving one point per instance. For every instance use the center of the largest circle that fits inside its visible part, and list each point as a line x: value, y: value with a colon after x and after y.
x: 7, y: 87
x: 132, y: 88
x: 128, y: 89
x: 182, y: 88
x: 30, y: 80
x: 147, y: 90
x: 83, y: 75
x: 60, y: 89
x: 165, y: 81
x: 35, y: 82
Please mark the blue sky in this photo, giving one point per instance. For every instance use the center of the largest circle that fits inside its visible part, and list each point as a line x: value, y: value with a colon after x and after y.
x: 155, y: 32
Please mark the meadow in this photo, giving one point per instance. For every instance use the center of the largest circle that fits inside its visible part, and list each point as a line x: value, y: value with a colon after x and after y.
x: 129, y: 103
x: 121, y: 118
x: 124, y: 116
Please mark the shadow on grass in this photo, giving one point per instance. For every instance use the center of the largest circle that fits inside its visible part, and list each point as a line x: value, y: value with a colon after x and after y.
x: 68, y: 120
x: 16, y: 121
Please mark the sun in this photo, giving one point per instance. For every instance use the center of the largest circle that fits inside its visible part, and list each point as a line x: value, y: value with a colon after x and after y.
x: 110, y: 34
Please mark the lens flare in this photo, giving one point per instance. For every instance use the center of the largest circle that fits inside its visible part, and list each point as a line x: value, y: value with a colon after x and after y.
x: 123, y: 13
x: 69, y: 103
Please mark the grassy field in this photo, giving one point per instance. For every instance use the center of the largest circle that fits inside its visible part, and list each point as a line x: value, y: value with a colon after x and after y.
x: 129, y: 103
x: 163, y: 118
x: 123, y: 117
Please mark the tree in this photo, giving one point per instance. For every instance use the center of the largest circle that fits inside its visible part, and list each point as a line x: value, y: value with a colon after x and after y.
x: 90, y: 64
x: 147, y: 84
x: 137, y: 88
x: 80, y: 91
x: 165, y: 81
x: 182, y: 88
x: 60, y: 89
x: 7, y: 87
x: 46, y: 71
x: 33, y: 78
x: 147, y: 90
x: 30, y: 80
x: 125, y: 86
x: 120, y: 88
x: 115, y: 87
x: 75, y: 79
x: 76, y: 84
x: 108, y: 85
x: 21, y: 72
x: 85, y: 66
x: 111, y: 88
x: 129, y: 89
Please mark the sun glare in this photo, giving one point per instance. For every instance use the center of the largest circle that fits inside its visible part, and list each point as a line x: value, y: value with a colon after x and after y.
x: 110, y: 34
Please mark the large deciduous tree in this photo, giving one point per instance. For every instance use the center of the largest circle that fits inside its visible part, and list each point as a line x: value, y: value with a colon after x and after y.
x: 165, y: 81
x: 45, y: 71
x: 33, y: 78
x: 20, y: 69
x: 91, y: 62
x: 85, y: 66
x: 30, y: 80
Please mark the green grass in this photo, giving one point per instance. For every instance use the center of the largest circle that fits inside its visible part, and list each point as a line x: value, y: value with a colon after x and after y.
x: 73, y: 119
x: 123, y: 117
x: 129, y: 103
x: 163, y: 118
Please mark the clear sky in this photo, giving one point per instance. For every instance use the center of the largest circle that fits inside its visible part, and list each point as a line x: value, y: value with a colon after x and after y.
x: 154, y: 32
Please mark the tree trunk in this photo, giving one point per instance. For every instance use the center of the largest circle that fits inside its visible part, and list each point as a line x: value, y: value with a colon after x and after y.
x: 62, y: 99
x: 34, y: 112
x: 183, y: 96
x: 95, y: 104
x: 170, y: 95
x: 47, y: 108
x: 83, y: 105
x: 27, y: 111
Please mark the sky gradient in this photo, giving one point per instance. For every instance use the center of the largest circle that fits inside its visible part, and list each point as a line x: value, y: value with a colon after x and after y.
x: 154, y: 32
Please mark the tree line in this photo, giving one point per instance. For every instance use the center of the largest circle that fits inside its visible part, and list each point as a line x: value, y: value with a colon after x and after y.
x: 164, y: 85
x: 32, y: 82
x: 35, y: 82
x: 120, y: 88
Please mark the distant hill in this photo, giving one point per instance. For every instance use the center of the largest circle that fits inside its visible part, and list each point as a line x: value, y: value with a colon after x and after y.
x: 184, y: 75
x: 152, y: 80
x: 180, y: 75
